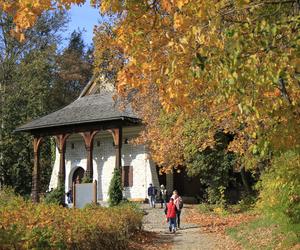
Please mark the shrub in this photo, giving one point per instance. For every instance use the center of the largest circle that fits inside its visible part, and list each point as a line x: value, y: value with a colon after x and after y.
x: 56, y: 196
x: 280, y: 189
x: 247, y: 203
x: 87, y: 179
x: 24, y: 225
x: 206, y: 208
x: 9, y: 197
x: 213, y: 167
x: 115, y: 188
x: 216, y: 196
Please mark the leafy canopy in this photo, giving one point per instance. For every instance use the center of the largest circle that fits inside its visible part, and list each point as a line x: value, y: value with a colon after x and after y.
x: 235, y: 62
x: 35, y: 79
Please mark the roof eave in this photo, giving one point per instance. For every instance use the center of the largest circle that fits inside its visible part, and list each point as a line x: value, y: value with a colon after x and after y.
x: 51, y: 126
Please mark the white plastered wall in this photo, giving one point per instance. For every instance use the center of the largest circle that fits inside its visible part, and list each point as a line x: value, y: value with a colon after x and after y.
x: 144, y: 171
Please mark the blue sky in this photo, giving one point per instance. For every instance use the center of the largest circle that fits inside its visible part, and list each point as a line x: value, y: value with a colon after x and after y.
x: 83, y: 18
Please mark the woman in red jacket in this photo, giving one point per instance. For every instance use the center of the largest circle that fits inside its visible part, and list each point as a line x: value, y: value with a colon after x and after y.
x: 171, y: 215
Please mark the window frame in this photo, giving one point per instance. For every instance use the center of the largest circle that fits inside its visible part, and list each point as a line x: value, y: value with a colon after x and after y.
x: 127, y: 176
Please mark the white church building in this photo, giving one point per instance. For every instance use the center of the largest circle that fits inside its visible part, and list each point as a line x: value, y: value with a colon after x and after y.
x: 93, y: 136
x: 138, y: 170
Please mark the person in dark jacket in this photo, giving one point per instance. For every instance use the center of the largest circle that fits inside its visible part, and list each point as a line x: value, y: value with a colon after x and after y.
x: 171, y: 215
x: 70, y: 196
x: 151, y: 194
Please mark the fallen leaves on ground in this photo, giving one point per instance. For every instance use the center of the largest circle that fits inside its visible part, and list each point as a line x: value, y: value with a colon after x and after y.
x: 217, y: 225
x: 149, y: 241
x: 213, y: 223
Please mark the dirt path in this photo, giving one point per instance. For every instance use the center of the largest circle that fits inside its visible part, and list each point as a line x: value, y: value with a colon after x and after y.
x: 188, y: 237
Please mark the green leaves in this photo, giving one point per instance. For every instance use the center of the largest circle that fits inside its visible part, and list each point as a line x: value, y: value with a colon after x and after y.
x: 280, y: 189
x: 199, y: 61
x: 27, y: 75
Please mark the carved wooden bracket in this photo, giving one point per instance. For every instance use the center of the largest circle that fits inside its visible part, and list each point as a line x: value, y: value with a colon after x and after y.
x: 36, y: 143
x: 61, y: 142
x: 88, y: 141
x: 117, y: 136
x: 88, y: 138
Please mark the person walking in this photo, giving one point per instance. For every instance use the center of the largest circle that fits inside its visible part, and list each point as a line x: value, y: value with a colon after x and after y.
x: 170, y: 212
x: 163, y: 196
x: 151, y: 194
x: 179, y: 205
x: 70, y: 196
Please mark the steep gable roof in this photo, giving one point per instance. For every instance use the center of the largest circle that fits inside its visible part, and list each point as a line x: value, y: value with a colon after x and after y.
x: 86, y: 109
x: 97, y: 84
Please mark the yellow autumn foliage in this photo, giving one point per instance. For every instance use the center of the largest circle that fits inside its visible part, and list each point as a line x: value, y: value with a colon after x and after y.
x: 280, y: 189
x: 234, y: 63
x: 24, y: 225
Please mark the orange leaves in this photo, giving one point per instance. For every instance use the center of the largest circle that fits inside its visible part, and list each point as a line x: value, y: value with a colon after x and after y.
x: 105, y: 6
x: 25, y: 12
x: 166, y: 5
x: 148, y: 240
x: 178, y: 20
x: 214, y: 223
x: 204, y: 56
x: 180, y: 3
x: 275, y: 93
x: 28, y: 225
x: 110, y: 6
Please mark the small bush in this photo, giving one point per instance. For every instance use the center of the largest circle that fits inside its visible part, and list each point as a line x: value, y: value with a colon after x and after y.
x: 24, y: 225
x: 206, y: 208
x: 56, y: 196
x: 280, y: 190
x: 212, y: 209
x: 87, y: 179
x: 9, y: 197
x: 115, y: 190
x: 246, y: 204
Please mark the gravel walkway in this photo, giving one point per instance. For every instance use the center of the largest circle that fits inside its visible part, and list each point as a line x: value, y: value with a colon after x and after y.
x: 188, y: 237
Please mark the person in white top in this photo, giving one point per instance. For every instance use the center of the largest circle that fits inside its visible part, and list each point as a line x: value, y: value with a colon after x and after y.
x: 163, y: 196
x: 179, y: 205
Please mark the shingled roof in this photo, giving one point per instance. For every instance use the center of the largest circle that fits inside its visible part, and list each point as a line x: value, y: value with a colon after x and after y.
x: 86, y: 109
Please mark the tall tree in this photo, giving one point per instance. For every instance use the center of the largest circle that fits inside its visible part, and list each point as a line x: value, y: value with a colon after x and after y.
x: 232, y: 64
x: 235, y: 62
x: 27, y: 71
x: 74, y: 71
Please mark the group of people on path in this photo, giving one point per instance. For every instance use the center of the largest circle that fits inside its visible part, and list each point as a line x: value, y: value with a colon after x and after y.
x: 152, y: 194
x: 172, y: 208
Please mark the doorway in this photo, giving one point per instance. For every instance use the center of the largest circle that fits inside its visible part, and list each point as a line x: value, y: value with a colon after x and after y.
x: 78, y: 175
x: 161, y: 177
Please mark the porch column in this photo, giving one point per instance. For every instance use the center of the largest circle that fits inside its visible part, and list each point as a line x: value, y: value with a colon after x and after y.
x: 61, y: 146
x: 88, y: 138
x: 117, y: 135
x: 36, y: 169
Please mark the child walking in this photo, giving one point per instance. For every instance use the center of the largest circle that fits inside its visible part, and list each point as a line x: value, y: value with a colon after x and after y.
x: 170, y: 212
